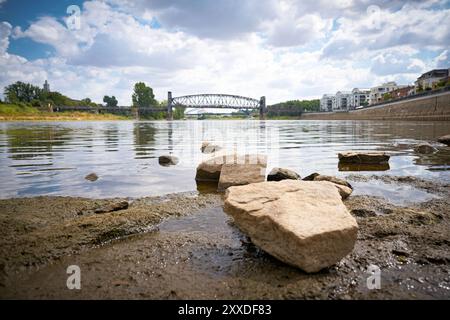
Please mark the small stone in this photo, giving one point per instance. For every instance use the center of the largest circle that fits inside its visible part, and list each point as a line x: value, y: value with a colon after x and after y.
x: 445, y: 139
x: 424, y: 148
x: 363, y: 157
x: 91, y: 177
x: 166, y: 160
x: 121, y: 205
x: 345, y: 188
x: 278, y: 174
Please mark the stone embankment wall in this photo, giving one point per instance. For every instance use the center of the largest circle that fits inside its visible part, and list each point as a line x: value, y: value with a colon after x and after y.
x: 433, y: 108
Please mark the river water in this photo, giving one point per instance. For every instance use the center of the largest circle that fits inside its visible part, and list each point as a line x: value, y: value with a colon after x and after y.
x: 52, y: 158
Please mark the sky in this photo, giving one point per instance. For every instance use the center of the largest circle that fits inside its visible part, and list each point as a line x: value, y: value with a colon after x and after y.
x: 281, y: 49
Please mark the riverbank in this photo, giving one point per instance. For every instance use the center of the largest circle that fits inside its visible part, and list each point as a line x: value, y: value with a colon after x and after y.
x: 9, y: 112
x: 183, y: 246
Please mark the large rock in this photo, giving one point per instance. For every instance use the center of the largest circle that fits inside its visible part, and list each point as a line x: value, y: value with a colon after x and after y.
x: 445, y: 139
x: 302, y: 223
x: 209, y: 170
x: 363, y: 157
x: 240, y: 174
x: 424, y: 148
x: 208, y: 147
x: 345, y: 189
x: 278, y: 174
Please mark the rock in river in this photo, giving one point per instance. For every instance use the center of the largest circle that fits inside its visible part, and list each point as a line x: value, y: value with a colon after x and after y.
x: 445, y: 139
x: 302, y: 223
x: 209, y: 170
x: 91, y: 177
x: 363, y: 157
x: 424, y: 148
x: 168, y: 160
x: 208, y: 147
x: 345, y: 189
x: 240, y: 174
x: 278, y: 174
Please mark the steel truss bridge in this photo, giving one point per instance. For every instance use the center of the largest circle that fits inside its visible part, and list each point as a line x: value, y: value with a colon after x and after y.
x: 216, y: 101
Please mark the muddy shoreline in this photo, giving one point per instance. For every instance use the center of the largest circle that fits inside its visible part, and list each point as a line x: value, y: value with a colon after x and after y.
x: 183, y: 246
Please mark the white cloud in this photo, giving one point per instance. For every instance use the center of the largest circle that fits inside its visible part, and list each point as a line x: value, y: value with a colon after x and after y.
x: 5, y: 31
x: 282, y: 49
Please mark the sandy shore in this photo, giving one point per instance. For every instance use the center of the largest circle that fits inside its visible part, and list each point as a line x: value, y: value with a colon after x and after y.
x: 183, y: 246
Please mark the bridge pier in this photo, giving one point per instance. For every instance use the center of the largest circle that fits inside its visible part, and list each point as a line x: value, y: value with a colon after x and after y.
x: 262, y: 108
x: 169, y: 106
x: 135, y: 112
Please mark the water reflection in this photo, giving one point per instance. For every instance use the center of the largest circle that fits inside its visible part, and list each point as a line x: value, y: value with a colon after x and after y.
x: 53, y: 158
x: 363, y: 167
x: 35, y: 142
x: 144, y: 140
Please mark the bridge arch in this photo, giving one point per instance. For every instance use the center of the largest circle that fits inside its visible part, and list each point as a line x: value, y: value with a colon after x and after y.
x: 217, y: 101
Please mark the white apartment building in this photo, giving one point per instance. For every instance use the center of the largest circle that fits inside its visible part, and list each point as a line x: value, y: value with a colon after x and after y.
x: 376, y: 93
x: 342, y: 101
x: 428, y: 79
x: 326, y: 103
x: 359, y: 97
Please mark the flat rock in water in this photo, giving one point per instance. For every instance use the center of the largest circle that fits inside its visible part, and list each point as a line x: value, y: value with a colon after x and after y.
x: 424, y: 148
x: 363, y: 157
x: 278, y: 174
x: 445, y: 139
x: 240, y: 174
x: 209, y: 170
x: 302, y: 223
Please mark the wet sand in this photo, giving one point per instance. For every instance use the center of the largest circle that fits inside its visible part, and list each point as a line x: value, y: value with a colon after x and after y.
x: 183, y: 246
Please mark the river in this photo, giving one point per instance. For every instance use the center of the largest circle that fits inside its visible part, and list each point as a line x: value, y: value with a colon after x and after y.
x: 52, y: 158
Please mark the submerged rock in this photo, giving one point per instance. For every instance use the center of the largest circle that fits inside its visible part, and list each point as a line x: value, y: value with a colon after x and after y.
x: 91, y: 177
x: 424, y: 148
x: 240, y: 174
x: 302, y: 223
x: 208, y: 147
x: 445, y: 139
x: 345, y: 189
x: 278, y: 174
x: 168, y: 160
x: 363, y: 157
x: 209, y: 170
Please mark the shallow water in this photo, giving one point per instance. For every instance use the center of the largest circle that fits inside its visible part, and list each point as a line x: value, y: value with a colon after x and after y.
x: 52, y: 158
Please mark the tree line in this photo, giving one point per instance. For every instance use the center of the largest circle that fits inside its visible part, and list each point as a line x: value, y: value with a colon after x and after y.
x: 293, y: 107
x: 26, y: 94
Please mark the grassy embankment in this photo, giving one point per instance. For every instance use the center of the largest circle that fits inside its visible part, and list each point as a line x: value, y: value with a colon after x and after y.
x: 12, y: 112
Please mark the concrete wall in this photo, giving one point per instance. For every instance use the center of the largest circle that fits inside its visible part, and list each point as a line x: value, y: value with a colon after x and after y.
x: 435, y: 107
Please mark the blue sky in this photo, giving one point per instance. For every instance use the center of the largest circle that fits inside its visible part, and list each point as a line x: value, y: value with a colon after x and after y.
x: 24, y: 12
x: 286, y: 49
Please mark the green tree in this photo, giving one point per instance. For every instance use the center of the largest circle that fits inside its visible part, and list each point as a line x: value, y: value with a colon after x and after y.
x: 22, y: 92
x: 110, y: 101
x: 387, y: 96
x: 143, y: 96
x: 178, y: 113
